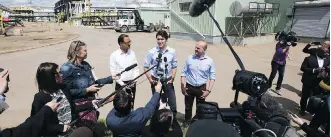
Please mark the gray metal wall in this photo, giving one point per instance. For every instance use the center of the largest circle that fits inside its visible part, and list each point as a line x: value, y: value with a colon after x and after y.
x: 202, y: 23
x: 153, y: 16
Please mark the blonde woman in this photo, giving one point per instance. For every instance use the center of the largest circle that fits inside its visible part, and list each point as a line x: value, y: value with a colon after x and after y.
x: 78, y: 76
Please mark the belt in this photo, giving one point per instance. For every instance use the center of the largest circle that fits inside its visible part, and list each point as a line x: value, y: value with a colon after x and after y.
x: 202, y: 86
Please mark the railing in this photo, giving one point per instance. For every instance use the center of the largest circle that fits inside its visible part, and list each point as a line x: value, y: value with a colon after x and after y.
x: 188, y: 24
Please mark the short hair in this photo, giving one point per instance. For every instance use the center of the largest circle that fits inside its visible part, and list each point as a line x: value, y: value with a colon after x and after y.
x: 46, y: 77
x: 163, y: 34
x: 122, y: 102
x: 161, y: 122
x: 73, y: 50
x: 206, y: 46
x: 121, y: 38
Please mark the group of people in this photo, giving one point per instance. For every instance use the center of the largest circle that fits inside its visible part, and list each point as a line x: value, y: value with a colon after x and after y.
x: 66, y: 102
x: 71, y: 91
x: 315, y: 79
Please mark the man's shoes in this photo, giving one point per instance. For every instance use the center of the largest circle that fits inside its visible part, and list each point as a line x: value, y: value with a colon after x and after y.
x: 278, y: 91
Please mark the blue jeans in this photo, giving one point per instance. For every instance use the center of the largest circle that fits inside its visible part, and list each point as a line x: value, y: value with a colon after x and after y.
x: 170, y: 95
x: 281, y: 70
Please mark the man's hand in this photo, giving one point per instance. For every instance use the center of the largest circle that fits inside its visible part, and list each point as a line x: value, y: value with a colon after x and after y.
x: 158, y: 87
x: 92, y: 88
x: 205, y: 94
x: 184, y: 90
x: 317, y: 70
x: 296, y: 119
x: 116, y: 77
x: 171, y: 80
x: 53, y: 105
x: 3, y: 80
x: 66, y: 128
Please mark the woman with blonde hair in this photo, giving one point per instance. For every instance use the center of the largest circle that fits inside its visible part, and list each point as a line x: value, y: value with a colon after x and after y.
x: 78, y: 76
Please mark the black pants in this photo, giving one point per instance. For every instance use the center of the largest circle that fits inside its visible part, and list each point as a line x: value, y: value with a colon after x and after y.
x: 131, y: 91
x: 281, y: 70
x: 192, y: 92
x: 170, y: 95
x: 321, y: 117
x: 306, y: 93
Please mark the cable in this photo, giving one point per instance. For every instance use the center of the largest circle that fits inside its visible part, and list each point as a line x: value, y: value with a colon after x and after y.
x: 264, y: 129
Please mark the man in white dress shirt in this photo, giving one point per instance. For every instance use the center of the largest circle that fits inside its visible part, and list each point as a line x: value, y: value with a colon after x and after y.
x: 121, y: 59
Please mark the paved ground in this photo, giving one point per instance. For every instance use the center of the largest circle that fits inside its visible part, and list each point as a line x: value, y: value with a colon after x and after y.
x: 101, y: 43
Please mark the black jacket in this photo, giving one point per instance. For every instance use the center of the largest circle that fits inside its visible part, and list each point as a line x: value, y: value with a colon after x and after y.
x: 312, y: 132
x: 32, y: 127
x: 53, y: 128
x: 309, y: 77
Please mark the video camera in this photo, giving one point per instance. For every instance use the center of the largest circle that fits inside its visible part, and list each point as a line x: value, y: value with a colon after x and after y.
x: 259, y: 115
x: 287, y: 37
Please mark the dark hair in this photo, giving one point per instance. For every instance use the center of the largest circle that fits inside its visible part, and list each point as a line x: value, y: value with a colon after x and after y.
x: 46, y: 77
x: 163, y: 34
x: 161, y: 122
x: 122, y: 102
x: 121, y: 38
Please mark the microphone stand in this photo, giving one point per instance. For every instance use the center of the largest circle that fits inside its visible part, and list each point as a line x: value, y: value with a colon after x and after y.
x: 241, y: 65
x: 101, y: 103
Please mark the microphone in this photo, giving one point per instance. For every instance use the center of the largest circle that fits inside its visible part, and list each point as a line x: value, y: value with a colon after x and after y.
x: 158, y: 59
x: 127, y: 69
x: 165, y: 59
x: 198, y: 7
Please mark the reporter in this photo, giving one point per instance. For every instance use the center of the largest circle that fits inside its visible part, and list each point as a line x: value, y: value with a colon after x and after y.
x: 123, y: 121
x: 51, y: 88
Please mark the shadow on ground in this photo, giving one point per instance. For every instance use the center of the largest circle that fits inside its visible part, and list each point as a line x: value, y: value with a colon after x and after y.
x: 292, y: 106
x: 291, y: 88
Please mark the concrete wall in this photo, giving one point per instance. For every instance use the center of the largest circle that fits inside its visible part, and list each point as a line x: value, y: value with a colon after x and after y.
x: 203, y: 23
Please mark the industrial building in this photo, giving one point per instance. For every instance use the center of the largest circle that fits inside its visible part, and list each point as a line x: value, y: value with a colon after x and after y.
x: 33, y: 13
x: 249, y: 21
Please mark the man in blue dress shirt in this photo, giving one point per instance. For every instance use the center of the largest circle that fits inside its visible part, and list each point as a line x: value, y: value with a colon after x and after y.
x: 168, y: 72
x: 197, y: 78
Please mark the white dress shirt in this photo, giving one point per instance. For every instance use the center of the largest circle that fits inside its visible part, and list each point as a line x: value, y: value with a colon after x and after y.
x: 119, y: 61
x: 320, y: 61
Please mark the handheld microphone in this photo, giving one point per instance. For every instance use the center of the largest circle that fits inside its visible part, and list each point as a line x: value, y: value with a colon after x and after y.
x: 127, y: 69
x: 165, y: 59
x: 198, y: 7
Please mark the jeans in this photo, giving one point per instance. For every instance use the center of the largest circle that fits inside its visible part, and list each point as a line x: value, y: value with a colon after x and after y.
x: 171, y: 96
x: 281, y: 70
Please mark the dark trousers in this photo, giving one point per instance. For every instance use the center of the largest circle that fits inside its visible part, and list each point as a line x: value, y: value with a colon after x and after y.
x: 321, y: 117
x: 281, y: 70
x: 306, y: 93
x: 192, y: 92
x: 131, y: 91
x: 170, y: 95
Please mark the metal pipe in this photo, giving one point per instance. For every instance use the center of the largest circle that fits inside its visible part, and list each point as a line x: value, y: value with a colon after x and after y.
x: 187, y: 23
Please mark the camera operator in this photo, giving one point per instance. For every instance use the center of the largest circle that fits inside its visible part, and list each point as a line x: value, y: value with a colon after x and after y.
x: 312, y: 51
x: 312, y: 68
x: 123, y: 121
x: 197, y: 78
x: 278, y: 64
x: 163, y: 49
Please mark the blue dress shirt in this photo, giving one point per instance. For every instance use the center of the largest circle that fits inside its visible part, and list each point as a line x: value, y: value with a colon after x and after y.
x: 198, y: 70
x: 152, y: 54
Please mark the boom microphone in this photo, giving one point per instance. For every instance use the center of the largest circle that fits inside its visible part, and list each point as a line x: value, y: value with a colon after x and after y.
x: 198, y: 7
x: 127, y: 69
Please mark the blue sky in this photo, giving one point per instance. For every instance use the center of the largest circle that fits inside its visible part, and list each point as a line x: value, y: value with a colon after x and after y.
x: 51, y: 2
